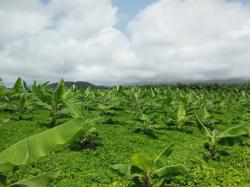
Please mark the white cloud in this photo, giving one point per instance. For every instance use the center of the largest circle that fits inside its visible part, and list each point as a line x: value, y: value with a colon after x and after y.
x: 192, y: 39
x: 170, y: 40
x: 21, y: 19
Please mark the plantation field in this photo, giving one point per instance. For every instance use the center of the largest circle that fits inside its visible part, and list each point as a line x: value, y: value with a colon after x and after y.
x: 117, y: 123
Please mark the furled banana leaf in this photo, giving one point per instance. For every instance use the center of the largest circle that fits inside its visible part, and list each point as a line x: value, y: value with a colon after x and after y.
x: 59, y: 91
x: 181, y: 114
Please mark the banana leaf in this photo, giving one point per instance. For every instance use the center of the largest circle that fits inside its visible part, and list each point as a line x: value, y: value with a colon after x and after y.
x: 42, y: 180
x: 59, y: 91
x: 170, y: 171
x: 72, y: 107
x: 161, y: 159
x: 34, y: 147
x: 234, y: 134
x: 142, y: 161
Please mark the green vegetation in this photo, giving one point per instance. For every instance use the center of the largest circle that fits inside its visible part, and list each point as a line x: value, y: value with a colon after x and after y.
x: 52, y: 98
x: 34, y: 147
x: 79, y: 137
x: 143, y: 169
x: 228, y: 137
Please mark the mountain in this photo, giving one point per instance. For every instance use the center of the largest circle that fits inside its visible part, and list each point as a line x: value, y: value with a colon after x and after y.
x: 213, y: 81
x: 79, y: 84
x: 82, y: 84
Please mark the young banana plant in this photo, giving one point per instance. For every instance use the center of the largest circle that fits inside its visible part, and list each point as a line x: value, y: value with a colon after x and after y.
x: 34, y: 147
x: 18, y: 86
x: 21, y: 108
x: 3, y: 121
x: 7, y: 94
x: 181, y: 117
x: 146, y: 128
x: 72, y: 105
x: 178, y: 118
x: 1, y: 82
x: 147, y: 172
x: 88, y: 137
x: 19, y: 98
x: 26, y: 87
x: 53, y: 98
x: 228, y: 137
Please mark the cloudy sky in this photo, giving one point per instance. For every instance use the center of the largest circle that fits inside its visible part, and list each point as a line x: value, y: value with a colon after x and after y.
x: 124, y: 41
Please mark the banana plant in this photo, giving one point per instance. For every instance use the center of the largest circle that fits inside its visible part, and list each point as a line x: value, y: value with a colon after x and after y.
x: 205, y: 117
x: 17, y: 99
x: 2, y: 88
x: 52, y: 98
x: 88, y: 138
x: 109, y: 109
x: 33, y: 148
x: 178, y: 118
x: 148, y: 172
x: 74, y: 88
x: 7, y: 95
x: 3, y: 121
x: 20, y: 107
x: 229, y: 137
x: 146, y: 128
x: 72, y: 105
x: 1, y: 82
x: 18, y: 86
x: 26, y: 87
x: 181, y: 116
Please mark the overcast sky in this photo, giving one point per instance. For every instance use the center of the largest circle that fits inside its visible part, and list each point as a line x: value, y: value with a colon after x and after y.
x: 123, y: 41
